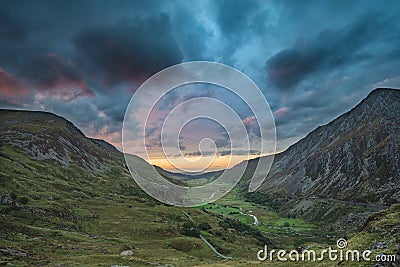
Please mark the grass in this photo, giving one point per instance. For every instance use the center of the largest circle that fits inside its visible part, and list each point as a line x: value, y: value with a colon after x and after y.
x: 78, y: 215
x: 76, y: 218
x: 285, y: 232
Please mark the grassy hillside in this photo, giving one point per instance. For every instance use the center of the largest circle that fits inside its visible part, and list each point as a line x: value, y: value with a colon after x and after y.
x: 56, y: 215
x: 67, y: 200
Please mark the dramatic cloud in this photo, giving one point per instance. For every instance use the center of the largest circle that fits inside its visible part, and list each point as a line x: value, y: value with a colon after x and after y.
x: 11, y: 91
x: 48, y: 73
x: 83, y: 60
x: 239, y: 22
x: 11, y: 29
x: 129, y: 51
x: 234, y: 17
x: 328, y: 50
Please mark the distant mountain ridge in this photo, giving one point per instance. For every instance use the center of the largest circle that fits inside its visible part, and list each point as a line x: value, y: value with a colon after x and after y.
x: 356, y: 157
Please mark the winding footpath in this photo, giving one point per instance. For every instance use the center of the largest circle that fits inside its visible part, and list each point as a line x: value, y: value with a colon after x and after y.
x: 205, y: 240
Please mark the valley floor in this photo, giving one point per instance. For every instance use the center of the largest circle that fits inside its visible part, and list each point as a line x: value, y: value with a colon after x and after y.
x: 54, y: 216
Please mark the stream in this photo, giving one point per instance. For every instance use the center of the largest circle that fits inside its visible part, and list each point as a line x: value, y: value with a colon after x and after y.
x: 251, y: 215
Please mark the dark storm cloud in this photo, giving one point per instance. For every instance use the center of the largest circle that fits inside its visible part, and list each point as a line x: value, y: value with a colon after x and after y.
x: 191, y: 34
x: 328, y: 50
x: 11, y: 29
x: 11, y: 91
x: 115, y: 106
x: 239, y: 22
x: 322, y: 56
x: 321, y: 89
x: 16, y: 46
x: 49, y: 73
x: 129, y: 51
x: 234, y: 16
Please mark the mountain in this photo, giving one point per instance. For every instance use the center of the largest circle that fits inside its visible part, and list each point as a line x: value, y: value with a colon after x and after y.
x: 46, y: 136
x: 380, y: 231
x: 189, y: 179
x: 356, y: 157
x: 69, y: 200
x: 342, y: 171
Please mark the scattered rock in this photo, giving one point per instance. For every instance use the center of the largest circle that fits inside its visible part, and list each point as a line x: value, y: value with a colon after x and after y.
x: 302, y: 248
x: 379, y: 245
x: 13, y: 252
x: 5, y: 201
x: 395, y: 230
x: 127, y: 253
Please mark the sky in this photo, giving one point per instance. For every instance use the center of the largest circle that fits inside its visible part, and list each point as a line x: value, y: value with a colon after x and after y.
x: 83, y: 60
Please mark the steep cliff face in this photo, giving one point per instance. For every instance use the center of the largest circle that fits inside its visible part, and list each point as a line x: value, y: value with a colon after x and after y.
x: 356, y: 157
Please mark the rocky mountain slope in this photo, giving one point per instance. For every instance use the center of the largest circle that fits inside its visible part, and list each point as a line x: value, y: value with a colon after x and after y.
x: 46, y: 136
x: 68, y: 200
x: 354, y: 158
